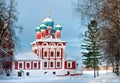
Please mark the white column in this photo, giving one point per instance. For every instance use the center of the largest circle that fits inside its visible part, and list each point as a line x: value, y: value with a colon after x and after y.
x: 40, y: 52
x: 41, y: 64
x: 62, y: 63
x: 63, y: 52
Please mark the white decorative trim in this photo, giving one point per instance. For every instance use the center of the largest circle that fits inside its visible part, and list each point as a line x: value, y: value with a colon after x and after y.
x: 69, y: 62
x: 45, y: 50
x: 60, y: 64
x: 33, y: 65
x: 53, y: 64
x: 22, y: 65
x: 43, y: 65
x: 58, y: 50
x: 52, y: 44
x: 44, y: 44
x: 40, y: 46
x: 63, y: 54
x: 61, y: 44
x: 29, y: 65
x: 52, y: 50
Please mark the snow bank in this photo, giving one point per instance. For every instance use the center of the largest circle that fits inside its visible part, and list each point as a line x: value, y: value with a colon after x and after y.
x: 108, y: 78
x: 87, y: 77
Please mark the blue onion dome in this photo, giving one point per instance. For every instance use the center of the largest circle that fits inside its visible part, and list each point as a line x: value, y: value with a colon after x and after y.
x: 48, y: 22
x: 42, y: 26
x: 58, y: 27
x: 37, y: 29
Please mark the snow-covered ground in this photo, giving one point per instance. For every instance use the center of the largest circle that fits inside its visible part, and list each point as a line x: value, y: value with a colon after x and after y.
x: 87, y: 77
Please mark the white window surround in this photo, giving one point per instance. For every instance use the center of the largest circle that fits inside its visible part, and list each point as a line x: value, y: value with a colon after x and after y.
x: 68, y: 64
x: 52, y: 50
x: 58, y: 50
x: 45, y: 44
x: 29, y: 65
x: 52, y: 44
x: 61, y: 44
x: 53, y: 64
x: 22, y: 65
x: 33, y: 65
x: 43, y: 64
x: 60, y: 64
x: 45, y: 50
x: 51, y: 54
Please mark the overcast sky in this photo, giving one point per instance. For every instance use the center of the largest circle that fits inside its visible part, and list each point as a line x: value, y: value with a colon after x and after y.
x: 32, y: 12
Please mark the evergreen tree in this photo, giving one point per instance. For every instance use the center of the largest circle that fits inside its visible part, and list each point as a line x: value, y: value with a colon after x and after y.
x: 92, y: 54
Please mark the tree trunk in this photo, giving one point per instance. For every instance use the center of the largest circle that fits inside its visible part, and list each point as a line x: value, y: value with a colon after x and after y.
x: 94, y: 73
x: 117, y: 69
x: 107, y: 68
x: 98, y: 73
x: 113, y: 68
x: 94, y: 67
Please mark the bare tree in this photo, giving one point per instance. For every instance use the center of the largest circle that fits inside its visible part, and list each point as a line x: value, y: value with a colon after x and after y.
x: 107, y: 14
x: 8, y: 38
x: 111, y: 32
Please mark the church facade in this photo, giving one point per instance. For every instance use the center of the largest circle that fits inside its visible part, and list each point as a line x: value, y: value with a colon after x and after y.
x: 48, y: 54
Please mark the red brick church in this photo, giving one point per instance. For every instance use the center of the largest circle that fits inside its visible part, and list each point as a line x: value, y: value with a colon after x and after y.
x: 48, y: 56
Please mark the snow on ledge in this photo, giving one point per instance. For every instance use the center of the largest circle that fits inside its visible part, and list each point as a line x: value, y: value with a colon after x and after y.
x: 70, y: 58
x: 48, y: 40
x: 26, y: 56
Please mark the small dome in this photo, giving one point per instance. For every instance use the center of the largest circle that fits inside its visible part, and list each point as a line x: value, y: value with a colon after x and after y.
x: 48, y: 22
x: 42, y: 26
x: 58, y: 27
x: 37, y: 28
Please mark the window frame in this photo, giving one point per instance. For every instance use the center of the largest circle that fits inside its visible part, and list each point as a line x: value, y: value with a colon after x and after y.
x: 57, y: 54
x: 58, y: 50
x: 19, y: 65
x: 46, y: 64
x: 34, y: 65
x: 27, y: 73
x: 68, y: 64
x: 52, y: 50
x: 51, y: 53
x: 29, y: 65
x: 45, y: 52
x: 57, y: 64
x: 52, y: 64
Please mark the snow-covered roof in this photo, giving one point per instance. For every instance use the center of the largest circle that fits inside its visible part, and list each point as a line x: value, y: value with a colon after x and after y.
x: 37, y: 27
x: 26, y: 56
x: 70, y: 58
x: 58, y: 25
x: 48, y: 40
x: 47, y: 20
x: 42, y: 25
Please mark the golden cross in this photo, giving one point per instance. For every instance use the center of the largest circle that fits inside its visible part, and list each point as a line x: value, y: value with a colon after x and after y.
x: 48, y: 11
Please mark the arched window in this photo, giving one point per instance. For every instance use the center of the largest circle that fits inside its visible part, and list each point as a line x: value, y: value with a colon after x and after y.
x: 58, y: 53
x: 52, y: 44
x: 59, y: 44
x: 52, y: 53
x: 28, y: 65
x: 58, y: 64
x: 45, y: 44
x: 45, y: 53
